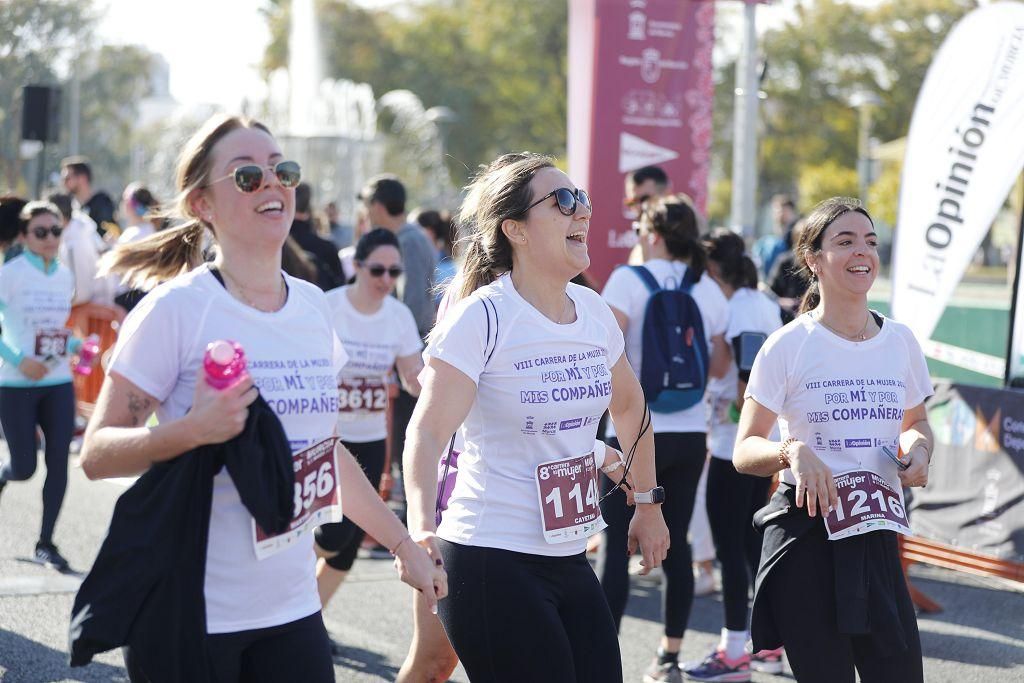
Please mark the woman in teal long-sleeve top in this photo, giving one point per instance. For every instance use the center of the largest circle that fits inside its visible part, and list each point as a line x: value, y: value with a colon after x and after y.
x: 35, y: 375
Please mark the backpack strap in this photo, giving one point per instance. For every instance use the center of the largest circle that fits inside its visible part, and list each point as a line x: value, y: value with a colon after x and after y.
x: 689, y: 280
x: 647, y: 277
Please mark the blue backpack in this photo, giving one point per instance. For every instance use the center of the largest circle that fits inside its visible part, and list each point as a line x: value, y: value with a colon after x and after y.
x: 674, y: 365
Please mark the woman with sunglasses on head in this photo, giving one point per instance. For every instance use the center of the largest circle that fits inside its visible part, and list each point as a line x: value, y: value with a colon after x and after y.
x: 672, y: 251
x: 847, y: 387
x: 35, y: 375
x: 732, y: 498
x: 262, y: 616
x: 378, y: 332
x: 524, y: 364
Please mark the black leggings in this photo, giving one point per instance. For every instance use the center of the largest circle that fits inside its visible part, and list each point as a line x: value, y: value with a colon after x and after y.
x: 297, y: 651
x: 515, y: 617
x: 732, y: 500
x: 344, y: 537
x: 679, y: 460
x: 52, y: 408
x: 800, y: 592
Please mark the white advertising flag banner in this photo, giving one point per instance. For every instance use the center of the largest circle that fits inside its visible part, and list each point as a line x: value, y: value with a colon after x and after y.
x: 965, y: 149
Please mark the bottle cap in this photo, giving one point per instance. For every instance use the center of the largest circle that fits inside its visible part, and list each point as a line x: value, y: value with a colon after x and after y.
x: 221, y: 352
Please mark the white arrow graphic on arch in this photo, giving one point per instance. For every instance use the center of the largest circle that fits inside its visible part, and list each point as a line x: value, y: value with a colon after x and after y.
x: 635, y: 152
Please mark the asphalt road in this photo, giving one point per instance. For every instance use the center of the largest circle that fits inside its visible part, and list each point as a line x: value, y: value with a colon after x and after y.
x: 978, y: 638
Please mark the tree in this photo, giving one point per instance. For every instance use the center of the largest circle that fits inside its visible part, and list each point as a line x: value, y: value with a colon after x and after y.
x: 35, y: 35
x: 503, y: 72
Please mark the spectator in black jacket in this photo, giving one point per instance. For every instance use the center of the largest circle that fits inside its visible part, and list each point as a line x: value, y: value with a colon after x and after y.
x: 77, y: 176
x: 322, y: 251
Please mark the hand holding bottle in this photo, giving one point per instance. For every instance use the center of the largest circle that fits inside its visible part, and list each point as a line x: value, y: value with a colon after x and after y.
x: 220, y: 405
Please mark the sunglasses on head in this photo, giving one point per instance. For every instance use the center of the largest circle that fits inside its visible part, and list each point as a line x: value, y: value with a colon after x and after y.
x: 41, y: 231
x: 249, y: 178
x: 377, y: 270
x: 567, y: 200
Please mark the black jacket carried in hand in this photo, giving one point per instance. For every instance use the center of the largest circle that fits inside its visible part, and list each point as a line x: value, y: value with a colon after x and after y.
x: 145, y: 589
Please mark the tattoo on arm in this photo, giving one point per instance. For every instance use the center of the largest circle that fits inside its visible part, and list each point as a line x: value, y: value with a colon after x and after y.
x: 139, y: 407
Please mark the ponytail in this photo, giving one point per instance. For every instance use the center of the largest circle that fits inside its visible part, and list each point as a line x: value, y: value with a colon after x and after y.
x: 157, y: 258
x: 811, y: 298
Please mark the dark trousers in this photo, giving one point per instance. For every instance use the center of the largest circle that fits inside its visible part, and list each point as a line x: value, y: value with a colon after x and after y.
x: 801, y: 592
x: 297, y: 651
x: 732, y: 500
x: 679, y: 460
x: 516, y: 617
x: 52, y: 408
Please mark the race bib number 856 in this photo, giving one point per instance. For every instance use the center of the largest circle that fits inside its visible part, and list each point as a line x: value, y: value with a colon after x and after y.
x: 317, y: 498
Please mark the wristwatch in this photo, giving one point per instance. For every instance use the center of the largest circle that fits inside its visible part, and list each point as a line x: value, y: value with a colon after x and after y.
x: 654, y: 496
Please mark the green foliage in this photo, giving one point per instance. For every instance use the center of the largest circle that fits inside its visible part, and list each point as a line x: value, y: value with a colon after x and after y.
x: 828, y: 52
x: 501, y: 66
x: 35, y: 35
x: 41, y: 41
x: 828, y: 179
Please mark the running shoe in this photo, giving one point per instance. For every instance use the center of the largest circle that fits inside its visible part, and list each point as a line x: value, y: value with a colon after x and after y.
x: 767, y: 661
x: 48, y: 556
x: 663, y: 672
x: 716, y: 667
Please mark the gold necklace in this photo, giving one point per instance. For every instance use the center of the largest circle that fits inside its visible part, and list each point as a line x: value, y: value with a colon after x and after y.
x: 282, y: 297
x: 861, y: 336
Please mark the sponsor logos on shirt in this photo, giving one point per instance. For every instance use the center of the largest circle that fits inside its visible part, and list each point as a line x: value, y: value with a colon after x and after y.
x: 857, y: 443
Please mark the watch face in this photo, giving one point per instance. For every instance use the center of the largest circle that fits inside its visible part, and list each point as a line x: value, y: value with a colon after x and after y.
x: 658, y: 494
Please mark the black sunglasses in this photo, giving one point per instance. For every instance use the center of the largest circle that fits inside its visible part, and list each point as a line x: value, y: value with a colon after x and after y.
x: 377, y: 270
x: 41, y: 231
x: 249, y: 178
x: 567, y: 200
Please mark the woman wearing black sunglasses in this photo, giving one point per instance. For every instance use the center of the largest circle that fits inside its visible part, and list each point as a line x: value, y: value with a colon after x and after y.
x: 35, y: 375
x: 524, y: 364
x: 262, y: 610
x: 378, y: 332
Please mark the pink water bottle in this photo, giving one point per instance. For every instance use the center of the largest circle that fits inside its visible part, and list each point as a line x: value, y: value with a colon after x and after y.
x: 87, y: 354
x: 224, y: 363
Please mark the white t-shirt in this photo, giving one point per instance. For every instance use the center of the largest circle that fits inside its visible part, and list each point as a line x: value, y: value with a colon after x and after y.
x: 372, y: 343
x: 844, y: 399
x: 34, y: 307
x: 294, y: 358
x: 80, y: 252
x: 541, y: 390
x: 134, y: 233
x: 749, y: 311
x: 626, y: 292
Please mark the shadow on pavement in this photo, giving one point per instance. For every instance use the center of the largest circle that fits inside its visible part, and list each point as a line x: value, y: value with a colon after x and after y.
x: 27, y: 661
x: 363, y: 661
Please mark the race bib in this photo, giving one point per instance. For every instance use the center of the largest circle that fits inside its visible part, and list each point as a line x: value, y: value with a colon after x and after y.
x: 317, y: 498
x: 361, y: 396
x: 52, y: 342
x: 867, y: 502
x: 568, y: 494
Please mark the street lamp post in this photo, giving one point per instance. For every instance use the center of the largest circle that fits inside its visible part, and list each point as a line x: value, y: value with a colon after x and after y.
x: 864, y: 102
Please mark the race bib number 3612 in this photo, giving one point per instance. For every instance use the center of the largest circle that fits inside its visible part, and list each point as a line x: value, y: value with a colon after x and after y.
x: 867, y: 502
x: 317, y: 498
x: 568, y: 495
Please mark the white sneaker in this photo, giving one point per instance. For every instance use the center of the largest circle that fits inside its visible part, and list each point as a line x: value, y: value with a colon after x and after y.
x: 703, y: 583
